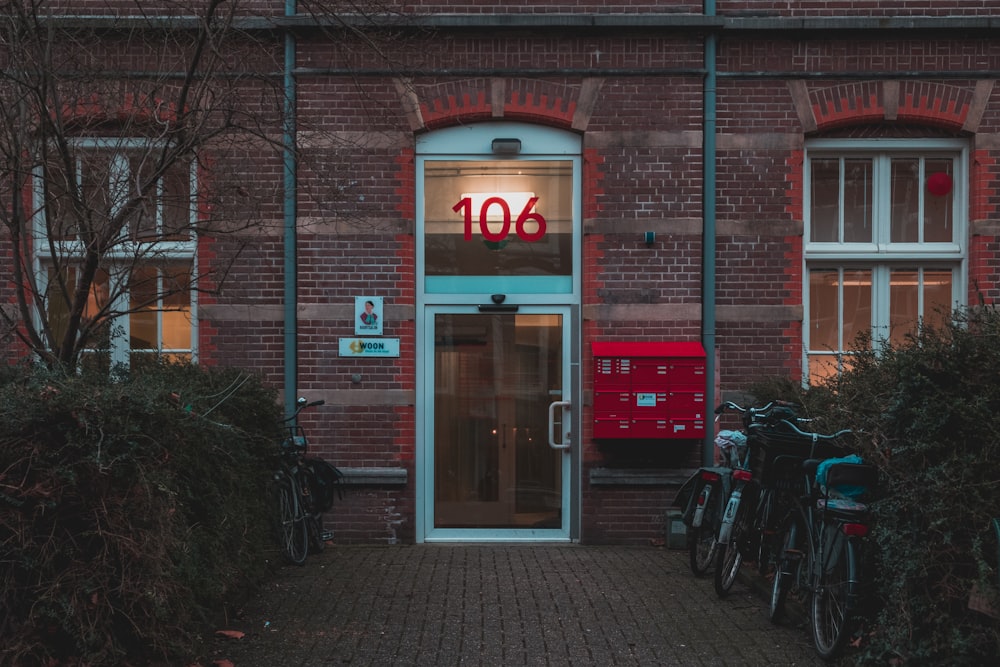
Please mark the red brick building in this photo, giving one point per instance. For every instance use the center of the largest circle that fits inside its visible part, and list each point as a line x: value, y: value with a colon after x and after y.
x: 555, y: 212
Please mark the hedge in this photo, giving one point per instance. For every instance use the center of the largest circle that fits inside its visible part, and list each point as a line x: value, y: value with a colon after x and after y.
x: 131, y: 509
x: 926, y: 412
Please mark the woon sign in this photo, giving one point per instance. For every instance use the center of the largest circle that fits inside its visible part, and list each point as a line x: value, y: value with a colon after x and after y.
x: 369, y: 347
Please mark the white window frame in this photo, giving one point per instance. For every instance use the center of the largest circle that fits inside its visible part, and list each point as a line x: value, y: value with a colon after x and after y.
x: 881, y: 256
x: 161, y: 253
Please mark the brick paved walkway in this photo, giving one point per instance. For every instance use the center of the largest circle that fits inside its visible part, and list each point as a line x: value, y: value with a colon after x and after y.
x: 505, y: 605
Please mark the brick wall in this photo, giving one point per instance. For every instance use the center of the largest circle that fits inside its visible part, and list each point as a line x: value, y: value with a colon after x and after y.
x: 642, y: 172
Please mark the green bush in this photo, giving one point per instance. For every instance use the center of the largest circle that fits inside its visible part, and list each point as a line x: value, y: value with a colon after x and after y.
x: 131, y: 509
x: 928, y: 411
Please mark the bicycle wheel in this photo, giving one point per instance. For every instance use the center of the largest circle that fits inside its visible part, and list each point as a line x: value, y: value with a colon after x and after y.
x: 730, y: 555
x: 316, y: 541
x: 702, y: 545
x: 763, y: 532
x: 832, y: 601
x: 313, y: 517
x: 788, y: 561
x: 293, y: 532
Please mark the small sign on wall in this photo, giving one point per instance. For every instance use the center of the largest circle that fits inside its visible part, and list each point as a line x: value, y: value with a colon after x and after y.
x: 369, y: 347
x: 368, y: 315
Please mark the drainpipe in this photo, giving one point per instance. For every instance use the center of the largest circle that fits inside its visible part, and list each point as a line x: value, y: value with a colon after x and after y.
x: 708, y: 235
x: 290, y: 248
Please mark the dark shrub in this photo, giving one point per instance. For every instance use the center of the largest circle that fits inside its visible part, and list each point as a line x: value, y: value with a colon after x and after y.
x: 929, y: 414
x: 130, y: 510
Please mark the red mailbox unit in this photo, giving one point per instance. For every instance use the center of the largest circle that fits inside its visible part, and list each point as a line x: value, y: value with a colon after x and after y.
x: 649, y: 390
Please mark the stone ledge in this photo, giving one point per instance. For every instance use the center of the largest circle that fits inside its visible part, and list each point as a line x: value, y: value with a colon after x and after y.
x: 374, y: 476
x: 638, y: 477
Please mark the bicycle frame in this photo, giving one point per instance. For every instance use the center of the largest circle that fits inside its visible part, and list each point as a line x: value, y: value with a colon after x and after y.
x: 737, y: 532
x: 300, y: 524
x: 827, y: 567
x: 702, y: 496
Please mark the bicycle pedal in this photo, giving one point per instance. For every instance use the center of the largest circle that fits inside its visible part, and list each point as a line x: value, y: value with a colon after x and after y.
x: 326, y: 535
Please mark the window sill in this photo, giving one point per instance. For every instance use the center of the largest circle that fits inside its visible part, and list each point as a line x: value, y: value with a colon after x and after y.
x: 638, y: 477
x: 374, y: 476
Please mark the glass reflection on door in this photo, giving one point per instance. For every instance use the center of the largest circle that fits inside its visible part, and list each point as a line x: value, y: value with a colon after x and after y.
x: 495, y: 375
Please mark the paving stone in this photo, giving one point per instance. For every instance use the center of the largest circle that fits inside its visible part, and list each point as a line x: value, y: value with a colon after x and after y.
x: 486, y: 605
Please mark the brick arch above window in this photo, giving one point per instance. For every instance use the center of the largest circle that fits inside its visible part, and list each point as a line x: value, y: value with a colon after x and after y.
x: 112, y: 114
x: 556, y: 104
x: 945, y: 106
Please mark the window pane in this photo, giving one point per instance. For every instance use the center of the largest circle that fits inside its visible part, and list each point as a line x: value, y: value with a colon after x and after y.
x: 463, y: 197
x: 95, y: 175
x: 857, y: 312
x: 825, y: 366
x: 176, y: 202
x: 59, y: 296
x: 161, y: 303
x: 904, y: 304
x: 857, y: 201
x: 141, y: 195
x: 177, y: 308
x: 905, y: 201
x: 938, y: 200
x: 937, y: 297
x: 143, y: 302
x: 824, y: 211
x: 95, y: 179
x: 822, y: 366
x: 823, y: 310
x: 58, y: 185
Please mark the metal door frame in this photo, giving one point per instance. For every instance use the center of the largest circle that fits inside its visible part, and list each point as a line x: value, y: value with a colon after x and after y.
x: 474, y: 142
x: 426, y: 532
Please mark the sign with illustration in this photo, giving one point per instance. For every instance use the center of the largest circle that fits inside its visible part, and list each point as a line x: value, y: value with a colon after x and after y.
x: 368, y: 315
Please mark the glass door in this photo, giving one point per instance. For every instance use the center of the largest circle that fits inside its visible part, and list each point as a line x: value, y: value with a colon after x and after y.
x: 498, y: 383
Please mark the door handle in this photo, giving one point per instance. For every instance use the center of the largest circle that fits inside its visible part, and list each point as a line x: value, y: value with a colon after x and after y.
x: 565, y: 441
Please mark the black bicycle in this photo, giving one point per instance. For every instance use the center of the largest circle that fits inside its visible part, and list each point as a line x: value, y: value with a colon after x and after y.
x: 823, y: 544
x: 749, y: 507
x: 303, y: 489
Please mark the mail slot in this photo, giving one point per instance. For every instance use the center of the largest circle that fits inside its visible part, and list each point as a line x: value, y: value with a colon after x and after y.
x: 649, y: 390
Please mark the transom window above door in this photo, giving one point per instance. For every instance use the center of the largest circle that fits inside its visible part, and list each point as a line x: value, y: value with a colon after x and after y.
x: 497, y: 218
x: 497, y: 210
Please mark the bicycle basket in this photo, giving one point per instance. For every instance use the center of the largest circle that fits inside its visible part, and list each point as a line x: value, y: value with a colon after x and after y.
x: 783, y: 473
x: 769, y: 442
x: 326, y: 478
x: 295, y: 440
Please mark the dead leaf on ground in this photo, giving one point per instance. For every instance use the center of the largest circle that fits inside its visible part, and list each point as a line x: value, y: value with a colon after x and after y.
x: 232, y: 634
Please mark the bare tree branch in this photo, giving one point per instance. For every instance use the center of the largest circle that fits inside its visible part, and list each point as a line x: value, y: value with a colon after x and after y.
x: 103, y: 122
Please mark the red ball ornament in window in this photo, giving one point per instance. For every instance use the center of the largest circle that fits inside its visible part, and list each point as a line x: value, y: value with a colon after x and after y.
x: 939, y: 184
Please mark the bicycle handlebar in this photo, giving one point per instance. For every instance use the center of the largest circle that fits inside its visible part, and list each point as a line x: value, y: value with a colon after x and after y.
x: 729, y: 405
x: 767, y: 414
x: 816, y: 436
x: 301, y: 405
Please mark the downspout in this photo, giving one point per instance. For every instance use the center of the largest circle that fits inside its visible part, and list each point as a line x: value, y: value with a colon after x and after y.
x: 291, y: 241
x: 708, y: 235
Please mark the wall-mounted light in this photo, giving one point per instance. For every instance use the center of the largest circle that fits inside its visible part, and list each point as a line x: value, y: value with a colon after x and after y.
x: 506, y: 146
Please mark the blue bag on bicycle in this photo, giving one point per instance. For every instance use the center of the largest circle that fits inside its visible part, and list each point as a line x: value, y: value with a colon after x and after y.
x: 843, y: 490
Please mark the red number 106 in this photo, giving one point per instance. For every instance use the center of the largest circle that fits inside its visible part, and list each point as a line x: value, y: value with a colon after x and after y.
x: 465, y: 207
